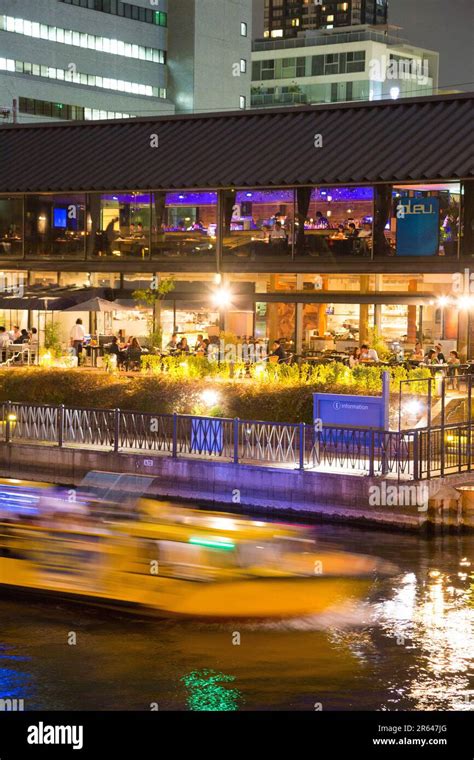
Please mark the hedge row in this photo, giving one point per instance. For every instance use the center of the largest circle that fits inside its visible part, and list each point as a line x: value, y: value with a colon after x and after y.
x: 273, y: 400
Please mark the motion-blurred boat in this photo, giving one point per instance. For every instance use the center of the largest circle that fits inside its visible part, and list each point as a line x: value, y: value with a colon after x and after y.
x: 174, y: 561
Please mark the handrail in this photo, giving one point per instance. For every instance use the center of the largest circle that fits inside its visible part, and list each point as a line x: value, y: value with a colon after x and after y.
x: 419, y: 453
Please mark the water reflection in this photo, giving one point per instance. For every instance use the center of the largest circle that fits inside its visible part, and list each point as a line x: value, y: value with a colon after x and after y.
x: 431, y: 619
x: 206, y: 693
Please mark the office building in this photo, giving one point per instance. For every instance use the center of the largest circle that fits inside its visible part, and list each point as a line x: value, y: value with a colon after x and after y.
x: 106, y: 59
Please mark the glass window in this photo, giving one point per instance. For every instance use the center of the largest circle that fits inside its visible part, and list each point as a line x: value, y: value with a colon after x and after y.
x: 243, y: 29
x: 11, y: 227
x: 258, y: 224
x: 54, y: 225
x: 334, y: 221
x: 242, y: 101
x: 118, y: 226
x: 184, y: 225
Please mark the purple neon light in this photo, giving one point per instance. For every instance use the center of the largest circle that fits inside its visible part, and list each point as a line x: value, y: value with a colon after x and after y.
x: 208, y: 198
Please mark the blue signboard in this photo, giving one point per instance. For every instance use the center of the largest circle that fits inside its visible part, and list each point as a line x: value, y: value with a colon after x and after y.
x: 417, y: 226
x: 207, y: 435
x: 337, y: 409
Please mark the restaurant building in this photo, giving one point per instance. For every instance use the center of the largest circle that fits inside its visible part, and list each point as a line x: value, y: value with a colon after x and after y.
x: 243, y: 210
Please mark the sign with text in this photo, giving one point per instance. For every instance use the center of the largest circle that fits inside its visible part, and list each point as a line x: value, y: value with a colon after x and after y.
x: 418, y: 227
x: 337, y: 409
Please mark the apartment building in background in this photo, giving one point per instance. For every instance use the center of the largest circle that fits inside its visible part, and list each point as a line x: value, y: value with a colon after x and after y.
x: 347, y: 64
x: 285, y: 18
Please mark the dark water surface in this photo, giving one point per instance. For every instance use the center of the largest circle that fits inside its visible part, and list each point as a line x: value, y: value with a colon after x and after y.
x: 408, y: 645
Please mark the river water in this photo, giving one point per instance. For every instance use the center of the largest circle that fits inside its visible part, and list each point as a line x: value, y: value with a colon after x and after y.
x: 409, y: 644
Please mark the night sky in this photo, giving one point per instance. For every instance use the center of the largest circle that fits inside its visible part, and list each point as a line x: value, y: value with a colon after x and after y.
x: 443, y: 25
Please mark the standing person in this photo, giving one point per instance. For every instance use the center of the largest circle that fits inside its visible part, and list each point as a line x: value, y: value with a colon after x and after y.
x: 4, y: 342
x: 34, y: 344
x: 439, y: 353
x: 77, y: 339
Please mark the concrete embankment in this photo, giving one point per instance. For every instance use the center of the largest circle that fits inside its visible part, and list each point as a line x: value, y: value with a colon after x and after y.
x: 265, y: 490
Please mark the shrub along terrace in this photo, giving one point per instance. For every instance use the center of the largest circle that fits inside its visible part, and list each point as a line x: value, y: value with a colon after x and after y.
x: 278, y: 393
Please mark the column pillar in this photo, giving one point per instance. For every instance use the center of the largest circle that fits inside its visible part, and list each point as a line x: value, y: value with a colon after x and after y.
x: 322, y: 316
x: 364, y: 310
x: 378, y: 306
x: 411, y: 316
x: 272, y: 313
x: 299, y: 317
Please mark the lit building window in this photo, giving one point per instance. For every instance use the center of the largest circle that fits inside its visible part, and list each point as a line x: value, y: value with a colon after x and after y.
x: 243, y: 29
x: 243, y: 101
x: 243, y: 66
x: 90, y: 80
x: 277, y: 33
x: 79, y: 39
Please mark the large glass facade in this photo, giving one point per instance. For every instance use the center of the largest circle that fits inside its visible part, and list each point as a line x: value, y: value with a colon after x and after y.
x: 257, y: 225
x: 54, y: 226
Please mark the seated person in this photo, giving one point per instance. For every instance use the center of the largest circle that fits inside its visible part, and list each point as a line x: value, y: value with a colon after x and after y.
x: 431, y: 357
x: 454, y: 361
x: 439, y: 353
x: 113, y: 347
x: 278, y: 351
x: 354, y: 358
x: 133, y: 352
x: 277, y: 233
x: 418, y: 354
x: 366, y: 230
x: 340, y: 234
x: 183, y: 346
x: 24, y: 337
x: 172, y: 346
x: 368, y: 354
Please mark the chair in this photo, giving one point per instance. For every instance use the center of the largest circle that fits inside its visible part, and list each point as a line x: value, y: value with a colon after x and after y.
x: 133, y: 359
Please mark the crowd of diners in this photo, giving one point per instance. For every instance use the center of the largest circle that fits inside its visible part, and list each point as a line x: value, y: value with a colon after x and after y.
x: 18, y: 338
x: 250, y: 347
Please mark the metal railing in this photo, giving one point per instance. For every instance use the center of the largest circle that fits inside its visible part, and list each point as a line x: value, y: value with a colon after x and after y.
x: 417, y: 454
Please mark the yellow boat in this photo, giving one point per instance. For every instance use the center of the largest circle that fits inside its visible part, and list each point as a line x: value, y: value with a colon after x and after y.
x: 174, y: 561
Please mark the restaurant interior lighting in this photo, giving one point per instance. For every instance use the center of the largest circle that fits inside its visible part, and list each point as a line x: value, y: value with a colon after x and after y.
x: 443, y: 301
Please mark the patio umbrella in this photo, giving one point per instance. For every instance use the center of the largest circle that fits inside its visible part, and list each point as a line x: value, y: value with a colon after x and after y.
x: 100, y: 305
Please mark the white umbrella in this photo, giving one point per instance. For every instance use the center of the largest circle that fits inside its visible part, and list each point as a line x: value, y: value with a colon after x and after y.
x: 100, y: 305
